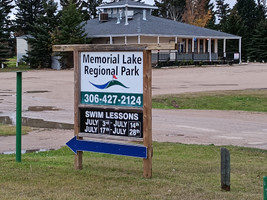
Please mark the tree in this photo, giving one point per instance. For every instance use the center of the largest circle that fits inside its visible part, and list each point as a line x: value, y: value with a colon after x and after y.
x: 235, y: 25
x: 258, y: 47
x: 170, y: 9
x: 77, y: 3
x: 211, y: 23
x: 250, y: 15
x: 89, y: 10
x: 196, y: 12
x: 222, y: 12
x: 41, y: 37
x: 27, y: 13
x: 5, y: 30
x: 70, y: 31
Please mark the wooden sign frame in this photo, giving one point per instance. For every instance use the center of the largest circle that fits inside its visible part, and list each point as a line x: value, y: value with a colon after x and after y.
x: 147, y: 91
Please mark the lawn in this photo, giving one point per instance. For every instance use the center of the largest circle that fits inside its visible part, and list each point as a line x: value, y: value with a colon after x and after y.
x: 11, y: 66
x: 246, y: 100
x: 179, y: 172
x: 7, y: 130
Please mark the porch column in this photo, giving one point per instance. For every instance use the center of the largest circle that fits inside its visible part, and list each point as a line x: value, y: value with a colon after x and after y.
x: 215, y: 45
x: 139, y: 39
x: 204, y: 45
x: 158, y: 39
x: 224, y: 47
x: 125, y: 39
x: 198, y: 45
x: 193, y: 45
x: 240, y: 60
x: 193, y: 49
x: 209, y: 49
x: 110, y: 40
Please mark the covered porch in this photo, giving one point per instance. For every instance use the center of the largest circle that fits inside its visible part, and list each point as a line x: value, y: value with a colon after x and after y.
x: 194, y: 48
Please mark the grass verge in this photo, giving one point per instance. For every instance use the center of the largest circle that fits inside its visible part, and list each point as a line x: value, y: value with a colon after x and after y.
x: 179, y: 172
x: 11, y: 66
x: 246, y: 100
x: 7, y: 130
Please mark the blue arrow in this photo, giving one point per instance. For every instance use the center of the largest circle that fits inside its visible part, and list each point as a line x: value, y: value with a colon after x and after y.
x: 139, y: 151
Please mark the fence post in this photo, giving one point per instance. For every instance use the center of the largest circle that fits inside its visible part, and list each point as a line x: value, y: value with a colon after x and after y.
x: 265, y: 188
x: 225, y: 169
x: 18, y: 117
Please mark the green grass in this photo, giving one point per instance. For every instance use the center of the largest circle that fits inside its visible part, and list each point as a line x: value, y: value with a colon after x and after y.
x: 8, y: 130
x: 11, y: 66
x: 245, y: 100
x: 179, y: 172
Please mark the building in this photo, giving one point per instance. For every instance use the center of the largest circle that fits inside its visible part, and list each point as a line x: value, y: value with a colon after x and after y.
x: 22, y: 47
x: 131, y: 22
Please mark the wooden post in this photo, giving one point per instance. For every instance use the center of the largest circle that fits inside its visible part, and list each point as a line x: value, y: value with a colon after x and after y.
x: 225, y: 169
x: 78, y: 156
x: 265, y: 188
x: 147, y: 113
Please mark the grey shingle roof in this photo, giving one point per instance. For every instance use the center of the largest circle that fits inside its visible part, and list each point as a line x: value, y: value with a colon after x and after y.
x: 153, y: 26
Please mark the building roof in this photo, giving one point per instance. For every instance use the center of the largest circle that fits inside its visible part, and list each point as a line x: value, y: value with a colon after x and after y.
x: 152, y: 26
x: 128, y: 3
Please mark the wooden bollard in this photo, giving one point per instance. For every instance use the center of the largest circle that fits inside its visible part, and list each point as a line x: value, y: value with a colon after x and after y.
x: 225, y: 169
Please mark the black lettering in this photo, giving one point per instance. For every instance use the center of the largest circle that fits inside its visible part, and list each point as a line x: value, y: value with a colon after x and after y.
x: 86, y: 69
x: 86, y: 58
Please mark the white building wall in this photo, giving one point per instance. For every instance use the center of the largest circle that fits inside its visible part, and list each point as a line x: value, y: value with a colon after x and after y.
x: 22, y: 48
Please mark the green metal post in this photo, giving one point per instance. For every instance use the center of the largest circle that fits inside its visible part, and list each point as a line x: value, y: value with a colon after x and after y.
x: 18, y: 117
x: 265, y: 187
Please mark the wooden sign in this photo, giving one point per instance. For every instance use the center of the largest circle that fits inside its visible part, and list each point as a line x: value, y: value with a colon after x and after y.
x: 113, y: 96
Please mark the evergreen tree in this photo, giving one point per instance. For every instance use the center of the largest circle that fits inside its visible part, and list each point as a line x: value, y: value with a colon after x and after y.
x: 235, y: 25
x: 41, y: 37
x: 250, y: 16
x: 211, y: 23
x: 27, y: 13
x: 258, y: 47
x: 77, y: 3
x: 70, y: 31
x: 222, y: 12
x: 5, y: 30
x: 89, y: 10
x: 170, y: 9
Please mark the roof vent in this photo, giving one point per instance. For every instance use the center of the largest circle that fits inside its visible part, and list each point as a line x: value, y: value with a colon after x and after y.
x: 103, y: 17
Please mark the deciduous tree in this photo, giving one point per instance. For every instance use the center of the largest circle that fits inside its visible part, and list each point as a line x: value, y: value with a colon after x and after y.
x: 196, y: 12
x: 170, y: 9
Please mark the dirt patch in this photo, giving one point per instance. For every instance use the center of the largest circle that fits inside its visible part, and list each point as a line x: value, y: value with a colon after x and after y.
x: 37, y: 91
x: 42, y: 108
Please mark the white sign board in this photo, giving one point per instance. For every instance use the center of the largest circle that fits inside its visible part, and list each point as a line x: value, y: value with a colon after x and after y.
x: 112, y: 78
